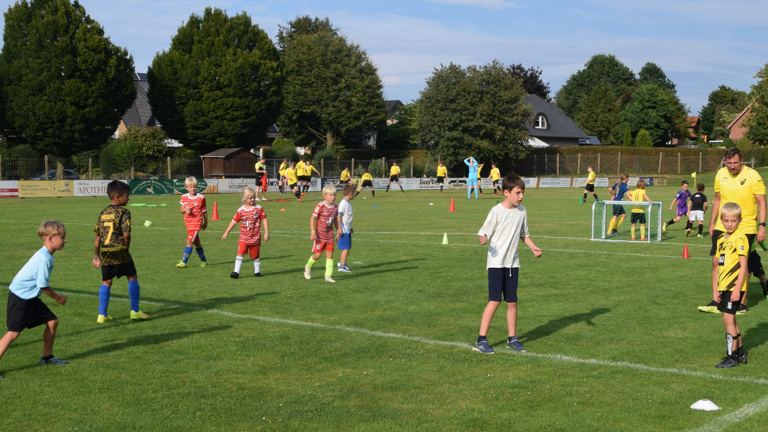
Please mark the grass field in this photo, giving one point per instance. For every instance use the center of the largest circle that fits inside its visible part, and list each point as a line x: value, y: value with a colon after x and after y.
x: 614, y: 340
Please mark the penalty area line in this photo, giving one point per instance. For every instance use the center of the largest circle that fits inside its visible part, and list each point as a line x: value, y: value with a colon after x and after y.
x: 555, y: 357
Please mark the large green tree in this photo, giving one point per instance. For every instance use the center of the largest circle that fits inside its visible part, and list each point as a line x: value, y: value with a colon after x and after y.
x: 757, y: 122
x: 64, y: 85
x: 650, y: 109
x: 601, y: 68
x: 219, y: 84
x: 332, y: 88
x: 651, y: 73
x: 478, y: 111
x: 722, y: 99
x: 600, y: 115
x: 531, y: 79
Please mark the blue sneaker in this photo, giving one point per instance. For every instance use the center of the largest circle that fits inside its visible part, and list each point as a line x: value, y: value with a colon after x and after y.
x: 344, y: 269
x: 515, y: 344
x: 482, y: 347
x: 52, y: 361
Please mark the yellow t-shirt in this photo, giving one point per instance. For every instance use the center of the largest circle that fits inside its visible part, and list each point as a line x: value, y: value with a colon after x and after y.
x: 442, y: 171
x: 495, y: 174
x: 728, y: 265
x: 300, y: 169
x: 308, y: 170
x: 259, y: 166
x: 637, y: 195
x: 344, y: 175
x: 366, y: 176
x: 591, y: 178
x: 283, y: 167
x: 740, y: 189
x: 290, y: 173
x: 395, y: 170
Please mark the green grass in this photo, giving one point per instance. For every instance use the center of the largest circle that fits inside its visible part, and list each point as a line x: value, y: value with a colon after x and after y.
x: 614, y: 338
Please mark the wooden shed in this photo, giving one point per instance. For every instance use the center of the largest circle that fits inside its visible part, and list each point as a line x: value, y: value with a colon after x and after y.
x: 229, y: 162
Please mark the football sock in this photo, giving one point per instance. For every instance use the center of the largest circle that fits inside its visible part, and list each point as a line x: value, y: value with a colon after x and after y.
x: 201, y: 254
x: 729, y: 344
x: 611, y: 225
x: 475, y: 193
x: 479, y: 188
x: 620, y: 222
x: 585, y: 197
x: 481, y: 338
x: 401, y: 189
x: 134, y: 293
x: 701, y: 228
x: 387, y: 189
x: 328, y: 267
x: 357, y: 193
x: 103, y: 299
x: 257, y: 265
x: 469, y: 192
x: 238, y: 264
x: 671, y: 221
x: 688, y: 225
x: 373, y: 194
x: 298, y: 195
x: 596, y: 198
x: 633, y: 232
x: 642, y: 231
x: 311, y: 262
x: 187, y: 252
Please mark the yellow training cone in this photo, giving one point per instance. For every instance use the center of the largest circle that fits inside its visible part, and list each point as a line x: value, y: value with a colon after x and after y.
x: 445, y: 238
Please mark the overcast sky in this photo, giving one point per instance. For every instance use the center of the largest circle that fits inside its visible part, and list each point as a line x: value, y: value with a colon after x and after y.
x: 699, y: 45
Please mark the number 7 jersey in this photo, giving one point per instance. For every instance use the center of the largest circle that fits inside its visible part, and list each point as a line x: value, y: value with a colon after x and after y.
x: 114, y: 221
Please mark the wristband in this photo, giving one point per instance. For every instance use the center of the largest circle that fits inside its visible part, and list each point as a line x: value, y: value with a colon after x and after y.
x: 762, y: 224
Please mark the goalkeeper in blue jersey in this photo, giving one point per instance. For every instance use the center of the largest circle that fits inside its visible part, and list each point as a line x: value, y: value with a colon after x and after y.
x: 617, y: 191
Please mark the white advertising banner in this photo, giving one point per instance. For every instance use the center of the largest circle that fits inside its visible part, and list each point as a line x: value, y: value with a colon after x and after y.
x: 9, y: 189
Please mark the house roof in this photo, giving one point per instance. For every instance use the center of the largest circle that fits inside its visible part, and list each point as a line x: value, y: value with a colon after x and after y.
x: 224, y: 153
x: 140, y: 112
x: 741, y: 114
x: 392, y: 107
x: 559, y: 125
x: 693, y: 121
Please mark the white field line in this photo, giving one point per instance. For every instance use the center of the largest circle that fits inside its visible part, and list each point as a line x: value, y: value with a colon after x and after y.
x: 556, y: 357
x: 730, y: 419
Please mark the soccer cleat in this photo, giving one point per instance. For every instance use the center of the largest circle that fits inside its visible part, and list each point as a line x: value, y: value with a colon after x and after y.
x: 742, y: 309
x: 710, y: 308
x: 101, y: 319
x: 634, y: 238
x: 345, y: 269
x: 302, y: 194
x: 664, y: 228
x: 743, y: 358
x: 52, y: 361
x: 338, y: 264
x: 698, y: 235
x: 257, y: 274
x: 181, y: 264
x: 643, y: 239
x: 329, y: 279
x: 728, y: 362
x: 482, y: 347
x: 234, y: 275
x: 687, y: 232
x: 204, y: 264
x: 515, y: 344
x: 307, y: 273
x: 299, y: 199
x: 256, y: 199
x: 138, y: 315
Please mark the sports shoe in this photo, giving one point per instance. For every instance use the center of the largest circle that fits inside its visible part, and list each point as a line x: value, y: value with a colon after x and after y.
x: 634, y: 238
x: 338, y: 264
x: 138, y: 315
x: 742, y: 309
x: 687, y: 232
x: 515, y: 345
x: 101, y: 319
x: 299, y: 199
x: 307, y: 273
x: 482, y: 347
x: 664, y: 228
x: 727, y: 362
x: 698, y: 235
x: 345, y: 269
x: 52, y: 361
x: 234, y: 275
x: 329, y: 279
x: 204, y: 264
x: 257, y: 274
x: 710, y: 308
x: 181, y: 264
x: 256, y: 199
x: 643, y: 239
x: 743, y: 358
x: 264, y: 199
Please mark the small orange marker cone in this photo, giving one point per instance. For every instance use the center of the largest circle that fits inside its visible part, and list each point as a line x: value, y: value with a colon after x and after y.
x: 453, y: 207
x: 685, y: 252
x: 215, y: 211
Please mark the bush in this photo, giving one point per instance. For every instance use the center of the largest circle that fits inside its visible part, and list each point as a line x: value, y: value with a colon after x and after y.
x: 328, y: 153
x: 117, y: 156
x: 283, y: 148
x: 643, y: 139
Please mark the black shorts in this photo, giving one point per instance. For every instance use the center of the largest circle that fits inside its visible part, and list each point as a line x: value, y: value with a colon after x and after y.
x: 495, y: 183
x: 590, y: 187
x: 23, y: 314
x: 502, y: 281
x: 394, y: 178
x: 258, y: 178
x: 726, y: 306
x: 440, y: 180
x: 618, y: 210
x: 291, y: 185
x: 305, y: 178
x: 366, y: 183
x: 638, y: 218
x: 343, y: 181
x: 109, y: 272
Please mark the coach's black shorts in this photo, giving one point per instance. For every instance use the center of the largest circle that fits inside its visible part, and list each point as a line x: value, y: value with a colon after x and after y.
x: 590, y: 187
x: 502, y: 281
x: 638, y: 218
x: 23, y: 314
x: 109, y: 272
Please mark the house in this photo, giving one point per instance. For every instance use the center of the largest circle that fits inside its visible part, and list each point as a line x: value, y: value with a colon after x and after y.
x: 694, y: 129
x: 736, y: 128
x: 550, y: 127
x: 140, y: 112
x: 229, y: 162
x: 393, y: 108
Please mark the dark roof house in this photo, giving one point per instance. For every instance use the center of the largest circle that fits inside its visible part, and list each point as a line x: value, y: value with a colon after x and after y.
x: 551, y: 127
x: 140, y: 113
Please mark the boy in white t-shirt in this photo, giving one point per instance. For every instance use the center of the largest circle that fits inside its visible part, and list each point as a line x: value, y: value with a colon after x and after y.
x: 345, y: 226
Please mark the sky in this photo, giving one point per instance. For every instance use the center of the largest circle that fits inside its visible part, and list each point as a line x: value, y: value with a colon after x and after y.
x: 700, y: 45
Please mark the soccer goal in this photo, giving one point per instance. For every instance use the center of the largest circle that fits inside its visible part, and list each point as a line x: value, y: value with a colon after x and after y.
x: 649, y: 213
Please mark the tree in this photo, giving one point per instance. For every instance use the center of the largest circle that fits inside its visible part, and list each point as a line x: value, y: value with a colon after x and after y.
x: 650, y: 109
x: 627, y: 142
x: 64, y: 85
x: 531, y: 79
x: 478, y: 111
x: 332, y: 89
x: 151, y: 140
x: 600, y: 68
x: 219, y: 84
x: 721, y: 97
x: 643, y: 139
x: 757, y: 122
x: 651, y: 73
x: 303, y: 25
x: 600, y: 115
x: 401, y: 134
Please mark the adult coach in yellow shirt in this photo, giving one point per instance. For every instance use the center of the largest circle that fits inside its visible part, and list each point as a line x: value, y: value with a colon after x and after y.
x: 590, y: 187
x: 442, y: 173
x: 744, y: 186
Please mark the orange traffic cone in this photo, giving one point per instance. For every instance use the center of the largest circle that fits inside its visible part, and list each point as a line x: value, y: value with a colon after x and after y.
x: 215, y: 211
x: 453, y: 207
x: 685, y: 252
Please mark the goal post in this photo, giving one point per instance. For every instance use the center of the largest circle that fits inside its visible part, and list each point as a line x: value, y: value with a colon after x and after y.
x: 639, y: 212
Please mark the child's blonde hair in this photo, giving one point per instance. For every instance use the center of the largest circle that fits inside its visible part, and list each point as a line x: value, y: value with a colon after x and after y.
x: 730, y: 209
x: 329, y: 189
x: 190, y: 181
x: 247, y: 192
x: 51, y: 228
x: 641, y: 184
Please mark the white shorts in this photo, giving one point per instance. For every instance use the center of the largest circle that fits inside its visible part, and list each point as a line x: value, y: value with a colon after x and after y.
x: 697, y: 215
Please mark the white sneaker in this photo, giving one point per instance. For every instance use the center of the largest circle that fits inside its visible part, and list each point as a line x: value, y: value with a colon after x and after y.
x: 256, y: 199
x: 338, y: 264
x: 307, y: 273
x: 328, y: 279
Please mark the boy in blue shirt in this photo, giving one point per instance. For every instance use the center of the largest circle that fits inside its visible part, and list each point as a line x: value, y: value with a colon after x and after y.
x: 618, y: 190
x: 25, y: 309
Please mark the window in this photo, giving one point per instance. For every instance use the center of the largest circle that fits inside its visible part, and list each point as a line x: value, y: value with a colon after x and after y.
x: 541, y: 122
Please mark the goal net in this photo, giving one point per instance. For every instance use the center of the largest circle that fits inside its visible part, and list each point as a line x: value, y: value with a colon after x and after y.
x: 641, y: 213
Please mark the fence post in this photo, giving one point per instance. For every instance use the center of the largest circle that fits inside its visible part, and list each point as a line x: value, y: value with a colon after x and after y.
x: 90, y: 168
x: 598, y: 162
x: 578, y: 165
x: 1, y: 167
x: 168, y: 166
x: 619, y: 164
x: 132, y: 167
x: 546, y: 164
x: 353, y: 167
x: 678, y: 163
x: 383, y: 165
x: 699, y: 162
x: 557, y: 169
x: 322, y: 167
x: 411, y: 166
x: 45, y: 164
x: 660, y: 154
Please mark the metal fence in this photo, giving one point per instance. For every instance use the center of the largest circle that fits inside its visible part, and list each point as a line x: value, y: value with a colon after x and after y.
x: 545, y: 165
x: 36, y: 168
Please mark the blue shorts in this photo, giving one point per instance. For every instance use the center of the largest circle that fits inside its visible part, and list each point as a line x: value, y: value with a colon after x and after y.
x: 502, y: 281
x: 345, y: 241
x: 472, y: 181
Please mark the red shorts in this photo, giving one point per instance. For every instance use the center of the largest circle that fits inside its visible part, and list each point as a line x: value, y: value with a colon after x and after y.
x: 192, y: 235
x: 320, y: 246
x: 242, y: 248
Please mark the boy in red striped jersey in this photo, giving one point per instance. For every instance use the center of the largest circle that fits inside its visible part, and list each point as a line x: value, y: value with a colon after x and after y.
x: 251, y: 218
x: 196, y: 219
x: 322, y: 224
